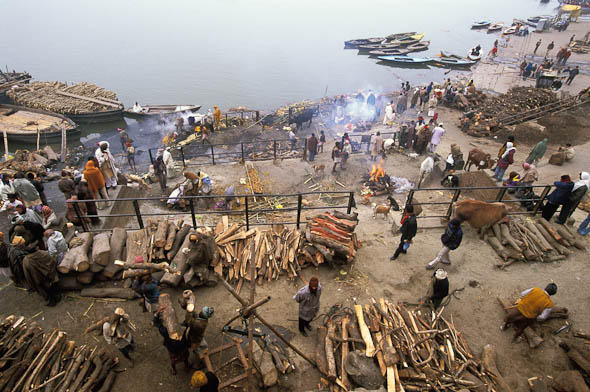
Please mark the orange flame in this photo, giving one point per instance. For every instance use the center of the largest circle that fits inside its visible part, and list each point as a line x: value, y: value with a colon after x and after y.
x: 377, y: 172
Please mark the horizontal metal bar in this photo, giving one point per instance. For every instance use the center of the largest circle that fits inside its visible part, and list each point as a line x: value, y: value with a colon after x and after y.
x: 480, y: 187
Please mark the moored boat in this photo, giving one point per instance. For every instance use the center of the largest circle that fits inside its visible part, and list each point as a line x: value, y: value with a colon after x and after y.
x: 388, y: 52
x: 495, y: 27
x: 481, y: 24
x: 146, y: 111
x: 392, y: 37
x: 509, y: 30
x: 412, y: 39
x: 453, y: 62
x: 367, y: 48
x: 354, y: 43
x: 406, y: 59
x: 22, y: 124
x: 475, y: 53
x: 418, y: 46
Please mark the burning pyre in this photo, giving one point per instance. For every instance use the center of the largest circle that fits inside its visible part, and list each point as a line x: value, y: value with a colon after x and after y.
x: 377, y: 182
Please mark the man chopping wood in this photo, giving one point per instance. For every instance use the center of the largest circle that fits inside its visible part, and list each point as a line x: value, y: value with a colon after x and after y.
x: 308, y: 298
x: 533, y: 304
x: 117, y: 332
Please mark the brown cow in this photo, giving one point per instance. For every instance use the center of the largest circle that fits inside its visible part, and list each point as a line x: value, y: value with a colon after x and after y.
x: 479, y: 214
x: 480, y: 159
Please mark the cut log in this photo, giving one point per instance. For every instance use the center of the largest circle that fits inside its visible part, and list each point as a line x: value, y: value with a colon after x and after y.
x: 335, y: 245
x: 508, y: 239
x: 168, y: 317
x: 365, y: 333
x: 532, y: 337
x: 576, y: 357
x: 137, y: 245
x: 560, y: 248
x: 180, y: 264
x: 110, y: 292
x: 342, y: 215
x: 108, y: 382
x: 497, y: 246
x: 344, y: 351
x: 95, y: 268
x: 178, y: 240
x: 101, y: 248
x: 488, y: 358
x: 51, y: 155
x: 172, y: 230
x: 550, y: 229
x: 545, y: 246
x: 118, y: 240
x: 564, y: 233
x: 161, y: 235
x: 85, y: 277
x: 163, y: 266
x: 498, y: 233
x: 332, y: 375
x: 570, y: 381
x: 76, y: 259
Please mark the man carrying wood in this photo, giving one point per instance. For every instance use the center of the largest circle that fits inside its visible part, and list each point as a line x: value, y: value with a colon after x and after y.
x: 308, y: 298
x: 116, y: 332
x: 534, y: 304
x: 196, y: 324
x: 146, y: 286
x: 177, y: 349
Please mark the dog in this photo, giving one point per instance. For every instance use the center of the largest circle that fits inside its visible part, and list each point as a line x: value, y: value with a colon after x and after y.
x: 392, y: 203
x: 412, y: 156
x: 381, y: 209
x: 318, y: 169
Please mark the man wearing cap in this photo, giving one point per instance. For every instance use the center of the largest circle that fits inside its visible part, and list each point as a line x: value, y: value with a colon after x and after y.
x: 308, y: 298
x: 205, y: 381
x: 196, y: 324
x: 451, y: 239
x: 117, y: 332
x: 439, y: 288
x: 437, y: 134
x: 533, y: 304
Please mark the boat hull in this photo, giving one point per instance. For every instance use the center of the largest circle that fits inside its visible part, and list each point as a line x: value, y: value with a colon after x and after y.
x: 25, y: 136
x: 97, y: 117
x: 161, y: 114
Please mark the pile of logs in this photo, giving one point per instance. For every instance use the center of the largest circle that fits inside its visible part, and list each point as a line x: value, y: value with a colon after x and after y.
x: 331, y: 238
x: 410, y: 350
x: 25, y: 161
x: 32, y: 360
x: 60, y: 98
x: 532, y: 241
x: 490, y: 109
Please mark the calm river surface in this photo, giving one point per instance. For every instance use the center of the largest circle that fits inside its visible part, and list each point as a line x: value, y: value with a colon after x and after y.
x: 256, y: 53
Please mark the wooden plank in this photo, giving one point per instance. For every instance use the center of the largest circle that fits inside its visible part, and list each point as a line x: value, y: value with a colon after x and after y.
x: 98, y: 101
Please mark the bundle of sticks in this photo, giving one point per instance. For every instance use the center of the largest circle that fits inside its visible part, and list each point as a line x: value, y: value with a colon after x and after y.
x: 530, y: 240
x: 412, y: 350
x: 32, y: 360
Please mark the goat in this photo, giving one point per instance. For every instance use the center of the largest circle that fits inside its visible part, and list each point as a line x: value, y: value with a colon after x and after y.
x: 425, y: 168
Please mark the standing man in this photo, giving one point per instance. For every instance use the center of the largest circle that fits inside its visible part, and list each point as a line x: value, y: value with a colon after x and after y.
x: 578, y: 192
x: 377, y: 146
x: 549, y: 48
x: 322, y: 142
x: 106, y: 164
x: 119, y: 334
x: 437, y: 134
x: 573, y: 73
x: 308, y: 298
x: 533, y: 304
x: 537, y: 46
x: 505, y: 160
x: 160, y: 170
x: 312, y: 147
x: 96, y: 184
x: 131, y: 156
x: 205, y: 136
x: 66, y: 185
x: 292, y: 139
x: 572, y: 38
x: 559, y: 196
x: 451, y: 239
x: 177, y: 349
x: 408, y: 230
x: 217, y: 117
x: 123, y: 137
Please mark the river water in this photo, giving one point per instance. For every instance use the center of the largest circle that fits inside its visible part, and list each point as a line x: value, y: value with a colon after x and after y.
x: 256, y: 53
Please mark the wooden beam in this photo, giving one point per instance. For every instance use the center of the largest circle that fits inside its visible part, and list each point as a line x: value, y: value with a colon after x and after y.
x: 98, y: 101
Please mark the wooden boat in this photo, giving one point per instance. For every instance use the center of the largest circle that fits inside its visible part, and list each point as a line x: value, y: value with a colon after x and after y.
x: 509, y: 30
x: 412, y: 39
x: 368, y: 48
x: 21, y: 124
x: 393, y: 37
x: 161, y: 110
x: 495, y: 27
x: 406, y: 59
x: 418, y: 46
x: 481, y: 24
x: 388, y: 52
x: 354, y: 43
x: 453, y: 62
x: 535, y: 19
x: 474, y: 57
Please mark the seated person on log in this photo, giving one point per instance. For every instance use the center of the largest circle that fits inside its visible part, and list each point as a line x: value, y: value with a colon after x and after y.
x: 438, y: 289
x: 534, y: 304
x: 199, y: 257
x: 40, y: 274
x: 177, y: 349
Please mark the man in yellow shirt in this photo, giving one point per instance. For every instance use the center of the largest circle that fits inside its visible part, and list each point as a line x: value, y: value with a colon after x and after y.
x: 217, y: 117
x: 533, y: 304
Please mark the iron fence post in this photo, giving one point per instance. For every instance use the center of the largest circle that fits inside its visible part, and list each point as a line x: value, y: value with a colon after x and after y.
x: 275, y: 149
x: 182, y: 156
x: 453, y: 200
x: 242, y: 146
x: 540, y: 201
x: 350, y: 202
x: 246, y: 209
x: 299, y: 203
x: 79, y: 215
x: 212, y: 154
x: 138, y: 213
x: 192, y: 207
x: 368, y: 144
x: 501, y: 194
x: 151, y: 157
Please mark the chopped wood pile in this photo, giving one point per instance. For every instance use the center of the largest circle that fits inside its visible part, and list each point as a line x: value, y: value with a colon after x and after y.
x: 411, y: 350
x: 33, y: 360
x: 531, y: 241
x: 490, y: 110
x: 29, y: 161
x: 58, y: 97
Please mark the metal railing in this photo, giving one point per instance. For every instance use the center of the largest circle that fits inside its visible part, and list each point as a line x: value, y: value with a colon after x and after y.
x: 500, y: 197
x: 256, y: 150
x: 251, y: 208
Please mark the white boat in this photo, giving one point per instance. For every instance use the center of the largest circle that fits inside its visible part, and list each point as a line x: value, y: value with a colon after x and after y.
x: 495, y: 27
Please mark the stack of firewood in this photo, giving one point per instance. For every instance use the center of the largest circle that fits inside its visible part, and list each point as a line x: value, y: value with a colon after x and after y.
x: 529, y: 240
x: 332, y: 236
x: 36, y: 361
x: 410, y: 350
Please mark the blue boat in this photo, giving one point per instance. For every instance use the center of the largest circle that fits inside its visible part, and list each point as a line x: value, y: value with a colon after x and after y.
x: 406, y: 59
